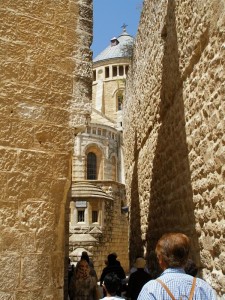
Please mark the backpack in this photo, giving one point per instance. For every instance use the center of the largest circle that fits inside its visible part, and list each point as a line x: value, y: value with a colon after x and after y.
x: 172, y: 296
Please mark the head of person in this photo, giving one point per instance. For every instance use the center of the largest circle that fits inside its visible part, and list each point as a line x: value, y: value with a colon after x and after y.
x: 85, y: 256
x: 172, y: 250
x: 82, y: 269
x: 111, y: 283
x: 114, y: 253
x: 111, y: 259
x: 191, y: 268
x: 140, y: 263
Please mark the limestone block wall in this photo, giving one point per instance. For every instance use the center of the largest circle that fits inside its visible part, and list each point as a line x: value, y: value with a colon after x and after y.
x: 174, y: 131
x: 110, y: 235
x: 45, y: 93
x: 114, y: 236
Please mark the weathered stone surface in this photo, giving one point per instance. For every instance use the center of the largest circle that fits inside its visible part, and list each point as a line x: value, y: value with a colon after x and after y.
x: 38, y: 116
x: 174, y: 130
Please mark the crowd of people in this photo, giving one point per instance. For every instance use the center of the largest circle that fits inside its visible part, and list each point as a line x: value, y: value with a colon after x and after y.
x: 178, y: 278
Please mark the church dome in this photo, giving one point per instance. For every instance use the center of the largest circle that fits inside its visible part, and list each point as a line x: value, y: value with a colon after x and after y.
x: 120, y: 47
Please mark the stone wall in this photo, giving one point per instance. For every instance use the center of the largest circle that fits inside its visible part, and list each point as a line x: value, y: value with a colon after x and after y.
x: 174, y: 131
x: 114, y: 230
x: 45, y: 93
x: 110, y: 235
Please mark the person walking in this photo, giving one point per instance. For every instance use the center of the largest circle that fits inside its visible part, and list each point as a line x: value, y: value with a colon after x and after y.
x: 137, y: 279
x: 111, y: 285
x: 83, y: 285
x: 172, y: 251
x: 113, y: 267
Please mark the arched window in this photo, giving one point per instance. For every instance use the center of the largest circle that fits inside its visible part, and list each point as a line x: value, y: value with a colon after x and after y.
x: 119, y: 101
x: 91, y: 166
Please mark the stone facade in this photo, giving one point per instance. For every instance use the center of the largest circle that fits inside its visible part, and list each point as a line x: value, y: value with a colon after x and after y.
x: 107, y: 234
x: 46, y: 67
x: 98, y: 217
x: 174, y: 131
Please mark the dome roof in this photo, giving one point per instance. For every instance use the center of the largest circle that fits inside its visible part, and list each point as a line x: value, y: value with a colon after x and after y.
x: 118, y: 48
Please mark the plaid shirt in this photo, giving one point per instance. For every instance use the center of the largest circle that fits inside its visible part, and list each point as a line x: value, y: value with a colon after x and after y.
x: 179, y: 284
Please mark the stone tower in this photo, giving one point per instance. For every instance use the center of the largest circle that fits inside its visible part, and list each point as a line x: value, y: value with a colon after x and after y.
x: 98, y: 222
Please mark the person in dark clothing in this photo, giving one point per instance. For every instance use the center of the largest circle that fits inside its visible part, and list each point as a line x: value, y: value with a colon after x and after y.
x: 137, y: 279
x: 116, y: 261
x: 191, y: 268
x: 84, y: 255
x: 70, y: 270
x: 113, y: 267
x: 111, y: 285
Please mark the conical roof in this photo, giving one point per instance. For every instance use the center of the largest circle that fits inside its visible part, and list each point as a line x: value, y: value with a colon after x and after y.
x: 98, y: 118
x: 86, y: 237
x: 85, y: 189
x: 78, y: 252
x: 119, y: 48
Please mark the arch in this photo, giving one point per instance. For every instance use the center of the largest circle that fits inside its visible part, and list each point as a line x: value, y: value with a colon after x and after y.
x: 96, y: 148
x: 118, y: 95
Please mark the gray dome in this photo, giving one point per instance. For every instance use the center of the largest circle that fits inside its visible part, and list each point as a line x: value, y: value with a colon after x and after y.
x: 119, y: 47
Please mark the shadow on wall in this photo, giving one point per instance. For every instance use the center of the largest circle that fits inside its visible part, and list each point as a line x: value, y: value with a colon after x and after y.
x: 171, y: 206
x: 135, y: 216
x: 66, y: 242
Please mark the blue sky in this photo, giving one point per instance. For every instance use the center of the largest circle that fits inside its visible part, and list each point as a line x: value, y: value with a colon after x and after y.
x: 109, y: 16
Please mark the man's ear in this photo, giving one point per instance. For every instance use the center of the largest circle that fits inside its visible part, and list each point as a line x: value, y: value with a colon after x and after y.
x: 162, y: 263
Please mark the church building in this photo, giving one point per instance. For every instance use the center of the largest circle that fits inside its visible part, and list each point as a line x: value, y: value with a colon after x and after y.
x: 98, y: 208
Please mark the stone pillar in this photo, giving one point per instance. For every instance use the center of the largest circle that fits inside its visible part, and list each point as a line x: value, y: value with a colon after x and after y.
x: 45, y: 68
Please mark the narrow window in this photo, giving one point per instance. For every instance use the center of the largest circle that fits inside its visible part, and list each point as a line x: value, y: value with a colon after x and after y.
x: 119, y: 101
x: 88, y: 129
x: 91, y: 166
x: 126, y: 69
x: 99, y: 131
x: 121, y: 70
x: 80, y: 215
x: 113, y: 168
x: 106, y: 72
x: 114, y: 71
x: 94, y: 216
x: 94, y: 75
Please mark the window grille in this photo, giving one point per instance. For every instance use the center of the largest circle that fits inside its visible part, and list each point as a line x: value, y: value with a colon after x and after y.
x: 80, y: 216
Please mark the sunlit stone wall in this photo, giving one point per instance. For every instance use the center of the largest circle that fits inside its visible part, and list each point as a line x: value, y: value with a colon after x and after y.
x: 45, y: 97
x: 175, y: 132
